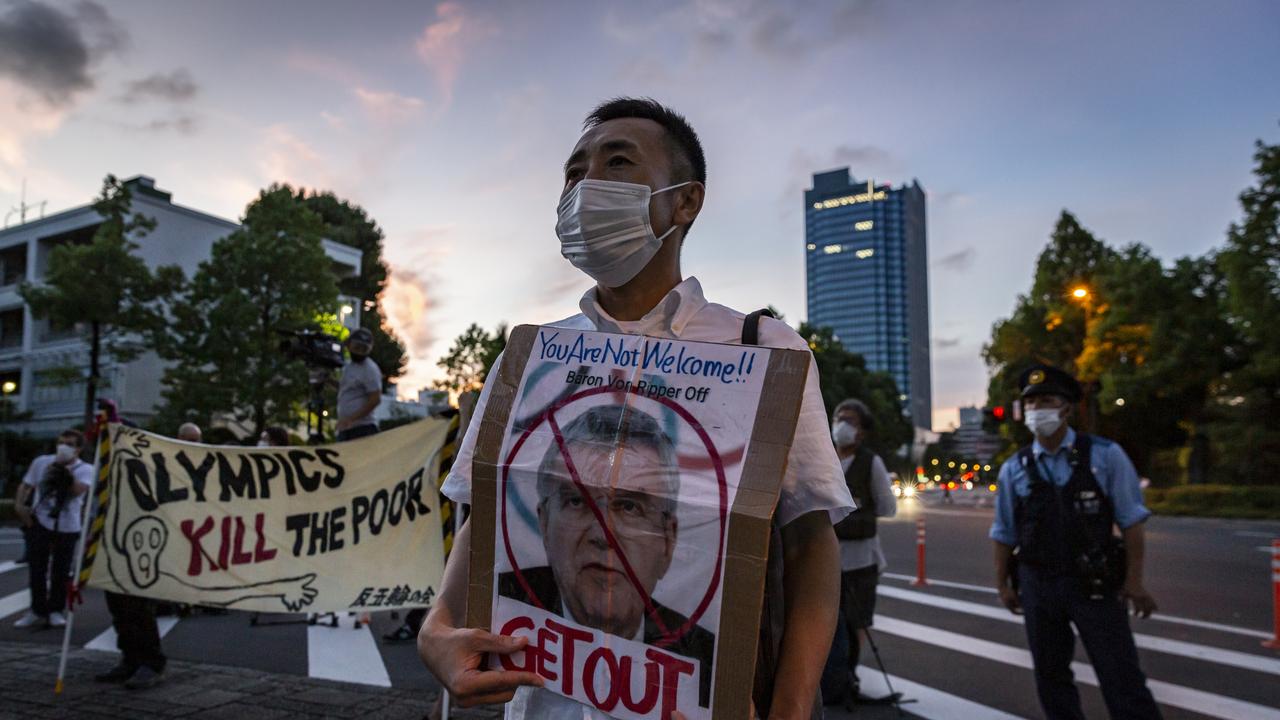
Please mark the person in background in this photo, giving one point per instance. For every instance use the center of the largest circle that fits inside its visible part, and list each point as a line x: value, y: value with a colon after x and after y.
x: 142, y: 661
x: 57, y: 484
x: 190, y: 432
x: 273, y: 436
x: 861, y: 558
x: 359, y: 389
x: 1059, y: 504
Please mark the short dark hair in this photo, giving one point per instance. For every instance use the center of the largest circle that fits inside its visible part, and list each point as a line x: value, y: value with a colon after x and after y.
x: 74, y: 435
x: 276, y: 435
x: 865, y: 418
x: 687, y: 160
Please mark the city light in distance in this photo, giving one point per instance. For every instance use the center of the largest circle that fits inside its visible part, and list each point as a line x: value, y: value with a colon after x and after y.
x: 1120, y: 402
x: 864, y: 225
x: 865, y: 253
x: 850, y: 200
x: 832, y: 249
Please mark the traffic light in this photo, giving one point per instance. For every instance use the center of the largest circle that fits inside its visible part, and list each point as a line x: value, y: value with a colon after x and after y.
x: 998, y: 413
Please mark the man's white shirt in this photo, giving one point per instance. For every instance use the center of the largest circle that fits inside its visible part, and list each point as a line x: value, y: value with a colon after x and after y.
x: 68, y: 521
x: 814, y: 479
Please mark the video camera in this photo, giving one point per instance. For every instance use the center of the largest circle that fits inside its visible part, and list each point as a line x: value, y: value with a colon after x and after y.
x: 315, y: 349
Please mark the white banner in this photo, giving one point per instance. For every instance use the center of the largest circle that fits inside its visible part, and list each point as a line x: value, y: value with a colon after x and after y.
x: 349, y: 526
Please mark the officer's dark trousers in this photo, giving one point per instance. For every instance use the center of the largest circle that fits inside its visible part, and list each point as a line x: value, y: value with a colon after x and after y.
x: 137, y: 635
x: 51, y: 556
x: 1051, y: 607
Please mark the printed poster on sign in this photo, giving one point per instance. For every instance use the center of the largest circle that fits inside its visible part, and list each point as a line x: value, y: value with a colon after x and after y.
x: 619, y: 468
x: 328, y: 528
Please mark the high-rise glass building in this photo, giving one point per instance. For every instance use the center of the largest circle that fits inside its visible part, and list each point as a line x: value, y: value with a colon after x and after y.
x: 867, y: 277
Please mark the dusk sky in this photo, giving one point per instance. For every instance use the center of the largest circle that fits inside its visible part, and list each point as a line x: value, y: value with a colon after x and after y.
x: 449, y: 123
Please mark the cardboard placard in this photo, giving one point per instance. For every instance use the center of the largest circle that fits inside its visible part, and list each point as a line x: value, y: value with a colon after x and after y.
x: 622, y: 490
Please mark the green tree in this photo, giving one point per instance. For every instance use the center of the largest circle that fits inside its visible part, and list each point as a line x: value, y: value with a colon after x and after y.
x: 268, y: 277
x: 1248, y: 400
x: 104, y: 287
x: 470, y: 358
x: 1144, y: 339
x: 350, y: 225
x: 843, y: 374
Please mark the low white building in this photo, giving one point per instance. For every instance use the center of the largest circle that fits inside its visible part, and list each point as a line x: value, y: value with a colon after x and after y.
x: 31, y: 352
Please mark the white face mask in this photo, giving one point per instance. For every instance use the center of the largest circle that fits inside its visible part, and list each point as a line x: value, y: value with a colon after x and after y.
x: 604, y: 229
x: 1044, y: 422
x: 65, y: 453
x: 844, y: 434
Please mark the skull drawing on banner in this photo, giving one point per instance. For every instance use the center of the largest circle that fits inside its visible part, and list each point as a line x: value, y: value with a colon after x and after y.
x: 144, y: 540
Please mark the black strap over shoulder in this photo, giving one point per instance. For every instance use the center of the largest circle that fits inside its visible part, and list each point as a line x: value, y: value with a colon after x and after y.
x: 751, y: 326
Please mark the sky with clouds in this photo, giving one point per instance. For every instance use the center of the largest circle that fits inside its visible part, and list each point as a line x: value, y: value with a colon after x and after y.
x: 449, y: 123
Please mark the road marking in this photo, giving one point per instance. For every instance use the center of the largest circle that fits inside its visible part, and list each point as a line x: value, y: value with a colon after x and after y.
x: 1194, y: 651
x: 15, y: 603
x: 1257, y: 534
x: 107, y: 640
x: 8, y: 565
x: 345, y: 655
x: 1176, y: 620
x: 1165, y: 693
x: 943, y: 583
x: 928, y: 702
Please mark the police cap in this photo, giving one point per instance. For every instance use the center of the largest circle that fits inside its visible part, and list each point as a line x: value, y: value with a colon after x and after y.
x: 1048, y: 380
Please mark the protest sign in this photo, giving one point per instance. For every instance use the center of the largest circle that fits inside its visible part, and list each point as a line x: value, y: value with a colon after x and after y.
x: 354, y: 525
x: 623, y: 487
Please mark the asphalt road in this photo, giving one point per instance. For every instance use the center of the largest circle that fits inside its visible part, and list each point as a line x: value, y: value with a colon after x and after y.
x: 948, y: 645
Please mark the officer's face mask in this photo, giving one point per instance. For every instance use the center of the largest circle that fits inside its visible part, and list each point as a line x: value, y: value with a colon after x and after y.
x: 844, y: 434
x: 1044, y: 422
x: 65, y: 453
x: 604, y: 229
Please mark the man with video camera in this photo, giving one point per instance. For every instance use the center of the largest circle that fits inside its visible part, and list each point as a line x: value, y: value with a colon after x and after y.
x: 1059, y: 503
x: 359, y: 389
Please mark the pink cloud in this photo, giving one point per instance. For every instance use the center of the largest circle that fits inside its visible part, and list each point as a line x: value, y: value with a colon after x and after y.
x: 388, y: 108
x: 407, y: 302
x: 440, y: 47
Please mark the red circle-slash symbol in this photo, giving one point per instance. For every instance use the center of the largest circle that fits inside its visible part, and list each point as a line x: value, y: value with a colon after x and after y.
x: 669, y: 635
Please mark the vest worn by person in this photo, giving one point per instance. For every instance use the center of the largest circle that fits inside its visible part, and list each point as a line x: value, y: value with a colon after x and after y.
x: 861, y: 523
x: 773, y: 617
x: 1068, y: 530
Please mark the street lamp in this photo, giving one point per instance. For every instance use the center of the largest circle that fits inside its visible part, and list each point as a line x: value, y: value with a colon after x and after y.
x: 7, y: 387
x: 1080, y: 292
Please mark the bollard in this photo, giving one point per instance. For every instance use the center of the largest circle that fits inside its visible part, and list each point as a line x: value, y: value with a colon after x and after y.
x: 920, y: 553
x: 1274, y: 642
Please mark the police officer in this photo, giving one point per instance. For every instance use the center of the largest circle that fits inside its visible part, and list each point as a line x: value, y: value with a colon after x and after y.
x: 1058, y: 559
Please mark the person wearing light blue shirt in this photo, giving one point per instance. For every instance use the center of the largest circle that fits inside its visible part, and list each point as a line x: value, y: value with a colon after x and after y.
x: 1058, y: 559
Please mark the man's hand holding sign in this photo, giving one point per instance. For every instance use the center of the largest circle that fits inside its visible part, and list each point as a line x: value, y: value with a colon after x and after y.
x: 623, y: 468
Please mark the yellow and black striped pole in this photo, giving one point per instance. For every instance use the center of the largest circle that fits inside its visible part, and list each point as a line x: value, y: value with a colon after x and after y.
x: 447, y: 453
x: 99, y: 517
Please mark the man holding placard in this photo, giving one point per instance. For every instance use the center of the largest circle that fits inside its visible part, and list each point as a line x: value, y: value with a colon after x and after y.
x: 633, y: 186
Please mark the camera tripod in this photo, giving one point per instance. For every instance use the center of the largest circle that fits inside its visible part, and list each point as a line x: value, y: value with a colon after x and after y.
x: 894, y: 698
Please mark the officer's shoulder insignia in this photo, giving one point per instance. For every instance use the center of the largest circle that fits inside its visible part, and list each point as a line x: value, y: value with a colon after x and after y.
x: 1036, y: 377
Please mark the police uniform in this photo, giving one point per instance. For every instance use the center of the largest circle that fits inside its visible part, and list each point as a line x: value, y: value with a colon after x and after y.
x: 1058, y: 509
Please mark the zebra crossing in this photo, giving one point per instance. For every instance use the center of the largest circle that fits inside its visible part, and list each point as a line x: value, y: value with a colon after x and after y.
x: 957, y: 657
